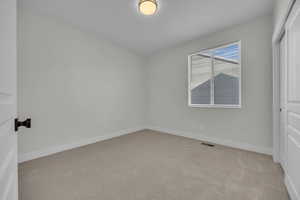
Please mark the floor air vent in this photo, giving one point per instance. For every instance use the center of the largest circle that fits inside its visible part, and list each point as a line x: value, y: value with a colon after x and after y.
x: 207, y: 144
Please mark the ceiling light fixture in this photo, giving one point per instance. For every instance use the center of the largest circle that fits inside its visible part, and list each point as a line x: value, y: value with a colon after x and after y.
x: 148, y: 7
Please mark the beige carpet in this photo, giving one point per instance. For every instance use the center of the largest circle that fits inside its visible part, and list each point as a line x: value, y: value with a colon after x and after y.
x: 152, y: 166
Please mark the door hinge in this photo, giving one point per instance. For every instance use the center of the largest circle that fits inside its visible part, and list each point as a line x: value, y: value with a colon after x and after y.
x: 26, y: 123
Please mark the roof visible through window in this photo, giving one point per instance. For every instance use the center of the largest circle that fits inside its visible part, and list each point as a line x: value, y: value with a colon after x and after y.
x: 229, y: 52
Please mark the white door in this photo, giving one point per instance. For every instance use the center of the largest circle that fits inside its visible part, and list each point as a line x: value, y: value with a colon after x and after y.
x: 282, y: 72
x: 293, y: 102
x: 8, y: 138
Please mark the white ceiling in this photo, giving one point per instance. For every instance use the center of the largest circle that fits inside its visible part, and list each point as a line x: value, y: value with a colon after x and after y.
x: 175, y: 22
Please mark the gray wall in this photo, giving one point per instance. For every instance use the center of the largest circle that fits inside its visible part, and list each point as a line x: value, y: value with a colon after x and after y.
x: 76, y: 86
x: 167, y: 82
x: 73, y: 85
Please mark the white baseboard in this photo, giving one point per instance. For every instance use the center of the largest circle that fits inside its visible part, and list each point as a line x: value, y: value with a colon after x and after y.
x: 45, y: 152
x: 229, y: 143
x: 291, y: 188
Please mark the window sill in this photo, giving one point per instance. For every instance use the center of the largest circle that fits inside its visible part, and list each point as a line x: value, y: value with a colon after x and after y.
x: 214, y: 106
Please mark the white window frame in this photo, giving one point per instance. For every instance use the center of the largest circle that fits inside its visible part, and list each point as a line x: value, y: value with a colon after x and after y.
x: 239, y: 43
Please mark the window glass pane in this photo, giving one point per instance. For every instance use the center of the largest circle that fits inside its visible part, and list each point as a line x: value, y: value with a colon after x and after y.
x: 227, y: 70
x: 201, y: 73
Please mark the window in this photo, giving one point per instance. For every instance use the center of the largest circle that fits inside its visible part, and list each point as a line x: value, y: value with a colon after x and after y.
x: 215, y: 77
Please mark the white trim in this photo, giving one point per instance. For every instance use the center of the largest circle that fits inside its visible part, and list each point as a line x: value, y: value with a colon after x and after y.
x: 276, y: 64
x: 189, y: 80
x: 49, y: 151
x: 291, y: 188
x: 276, y: 103
x: 278, y: 30
x: 56, y: 149
x: 212, y: 105
x: 215, y: 47
x: 215, y: 106
x: 224, y: 142
x: 212, y: 80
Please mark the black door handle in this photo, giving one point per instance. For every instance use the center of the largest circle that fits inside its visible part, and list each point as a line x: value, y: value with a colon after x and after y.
x: 26, y: 123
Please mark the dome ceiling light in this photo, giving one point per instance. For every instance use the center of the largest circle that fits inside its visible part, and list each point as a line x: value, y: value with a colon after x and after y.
x: 147, y: 7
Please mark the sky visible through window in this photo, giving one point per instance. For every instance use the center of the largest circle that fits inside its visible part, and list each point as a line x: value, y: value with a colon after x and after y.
x: 230, y: 52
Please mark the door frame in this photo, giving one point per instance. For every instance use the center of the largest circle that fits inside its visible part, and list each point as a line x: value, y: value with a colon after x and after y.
x: 278, y: 32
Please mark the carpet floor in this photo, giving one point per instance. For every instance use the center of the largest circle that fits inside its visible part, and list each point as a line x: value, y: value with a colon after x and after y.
x: 149, y: 165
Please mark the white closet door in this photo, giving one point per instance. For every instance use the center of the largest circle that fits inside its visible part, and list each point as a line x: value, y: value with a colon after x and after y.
x: 293, y: 102
x: 8, y: 138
